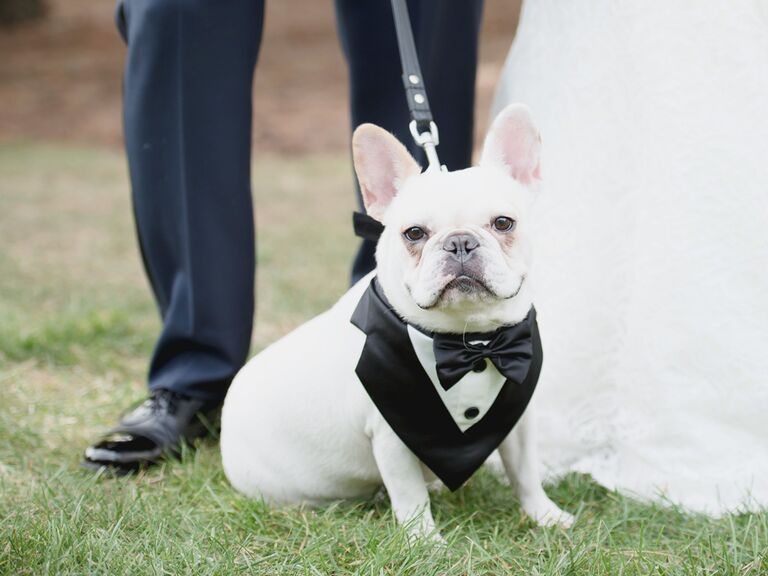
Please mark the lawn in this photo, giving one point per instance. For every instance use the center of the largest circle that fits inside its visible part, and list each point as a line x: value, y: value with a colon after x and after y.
x: 76, y: 327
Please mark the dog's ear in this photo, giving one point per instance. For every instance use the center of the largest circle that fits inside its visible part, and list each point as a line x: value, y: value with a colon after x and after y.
x: 514, y: 145
x: 382, y: 164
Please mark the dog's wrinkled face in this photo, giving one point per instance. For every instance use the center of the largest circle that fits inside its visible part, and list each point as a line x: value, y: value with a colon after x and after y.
x: 455, y: 252
x: 463, y: 237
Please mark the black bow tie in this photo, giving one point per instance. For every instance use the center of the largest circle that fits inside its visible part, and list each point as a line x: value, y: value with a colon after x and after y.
x: 509, y: 349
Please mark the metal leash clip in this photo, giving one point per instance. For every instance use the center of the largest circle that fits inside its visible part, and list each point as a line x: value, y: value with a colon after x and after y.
x: 428, y: 141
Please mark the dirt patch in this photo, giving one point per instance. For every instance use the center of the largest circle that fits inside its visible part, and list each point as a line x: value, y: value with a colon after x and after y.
x: 60, y: 78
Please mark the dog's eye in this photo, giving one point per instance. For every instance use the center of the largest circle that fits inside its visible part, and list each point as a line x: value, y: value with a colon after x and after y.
x: 414, y: 233
x: 504, y: 224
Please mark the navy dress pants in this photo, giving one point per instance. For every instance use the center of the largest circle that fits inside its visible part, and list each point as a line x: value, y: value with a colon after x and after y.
x: 187, y: 116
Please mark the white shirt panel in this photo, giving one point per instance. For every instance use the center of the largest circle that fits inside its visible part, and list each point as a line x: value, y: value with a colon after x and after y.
x: 475, y: 390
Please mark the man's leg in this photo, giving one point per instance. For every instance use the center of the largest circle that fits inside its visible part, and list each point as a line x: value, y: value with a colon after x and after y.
x: 188, y: 136
x: 446, y: 35
x: 187, y: 106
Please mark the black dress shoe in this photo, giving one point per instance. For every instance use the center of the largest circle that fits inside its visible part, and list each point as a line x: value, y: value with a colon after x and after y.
x: 153, y: 430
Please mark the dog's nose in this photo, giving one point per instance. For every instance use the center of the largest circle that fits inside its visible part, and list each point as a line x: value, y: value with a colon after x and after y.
x: 460, y: 245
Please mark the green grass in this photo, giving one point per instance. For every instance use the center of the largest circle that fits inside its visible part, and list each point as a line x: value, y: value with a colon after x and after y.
x: 76, y: 326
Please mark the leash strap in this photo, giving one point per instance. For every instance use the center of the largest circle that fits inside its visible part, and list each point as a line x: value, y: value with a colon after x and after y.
x: 422, y: 126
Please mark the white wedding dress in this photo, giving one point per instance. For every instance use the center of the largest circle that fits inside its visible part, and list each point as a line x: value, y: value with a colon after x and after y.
x: 652, y: 248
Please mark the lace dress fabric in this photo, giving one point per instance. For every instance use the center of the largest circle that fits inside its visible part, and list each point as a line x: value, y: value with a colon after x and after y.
x: 652, y: 243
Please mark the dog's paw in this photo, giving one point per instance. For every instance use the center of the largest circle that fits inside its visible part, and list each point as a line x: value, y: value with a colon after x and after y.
x: 421, y: 529
x: 558, y: 518
x: 546, y: 513
x: 422, y: 536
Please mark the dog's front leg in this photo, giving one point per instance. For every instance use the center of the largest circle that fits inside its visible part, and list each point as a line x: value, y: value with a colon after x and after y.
x: 519, y: 454
x: 402, y: 476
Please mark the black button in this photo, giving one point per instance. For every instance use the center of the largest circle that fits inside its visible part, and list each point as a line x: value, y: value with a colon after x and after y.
x: 470, y: 413
x: 479, y: 365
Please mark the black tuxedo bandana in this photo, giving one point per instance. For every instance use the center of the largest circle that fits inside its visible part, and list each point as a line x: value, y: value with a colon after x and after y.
x: 402, y: 391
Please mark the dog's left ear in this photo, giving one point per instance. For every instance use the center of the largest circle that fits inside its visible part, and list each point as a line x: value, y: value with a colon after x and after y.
x: 514, y: 145
x: 382, y: 164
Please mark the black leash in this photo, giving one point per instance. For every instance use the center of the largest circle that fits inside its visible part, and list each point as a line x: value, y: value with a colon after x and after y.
x: 422, y: 126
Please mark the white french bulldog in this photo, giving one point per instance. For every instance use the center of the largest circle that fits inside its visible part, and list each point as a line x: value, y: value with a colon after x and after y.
x: 298, y: 427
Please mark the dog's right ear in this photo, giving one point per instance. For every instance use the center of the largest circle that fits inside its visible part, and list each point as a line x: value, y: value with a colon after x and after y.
x: 382, y: 164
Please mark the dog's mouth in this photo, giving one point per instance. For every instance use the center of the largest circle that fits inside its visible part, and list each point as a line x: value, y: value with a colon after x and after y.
x: 467, y: 287
x: 464, y: 286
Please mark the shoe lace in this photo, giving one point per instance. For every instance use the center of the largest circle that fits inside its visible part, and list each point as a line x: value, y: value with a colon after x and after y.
x: 162, y: 401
